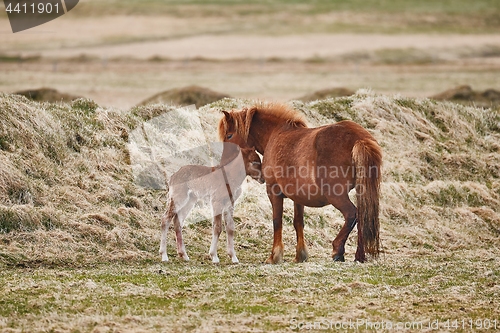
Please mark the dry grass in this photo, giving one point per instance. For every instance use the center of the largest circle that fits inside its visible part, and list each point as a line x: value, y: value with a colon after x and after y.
x: 47, y: 95
x: 62, y: 167
x: 466, y: 95
x: 191, y: 95
x: 78, y: 238
x: 326, y: 93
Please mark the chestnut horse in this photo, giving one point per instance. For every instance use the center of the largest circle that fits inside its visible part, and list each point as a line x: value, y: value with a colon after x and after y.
x: 313, y: 167
x: 221, y: 185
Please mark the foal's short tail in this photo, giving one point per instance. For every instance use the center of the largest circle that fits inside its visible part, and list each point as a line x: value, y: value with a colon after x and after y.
x: 367, y: 157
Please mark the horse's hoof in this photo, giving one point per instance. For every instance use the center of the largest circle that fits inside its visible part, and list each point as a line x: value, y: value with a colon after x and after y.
x: 276, y: 256
x: 360, y: 257
x: 339, y: 258
x: 274, y: 260
x: 301, y: 256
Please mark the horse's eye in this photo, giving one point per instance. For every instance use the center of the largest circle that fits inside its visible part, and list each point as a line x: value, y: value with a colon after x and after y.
x: 229, y: 136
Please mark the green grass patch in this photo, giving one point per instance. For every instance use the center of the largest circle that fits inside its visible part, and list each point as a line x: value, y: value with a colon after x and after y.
x: 273, y: 295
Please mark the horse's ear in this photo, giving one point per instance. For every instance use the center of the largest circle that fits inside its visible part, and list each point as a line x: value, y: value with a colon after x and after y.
x: 223, y: 124
x: 226, y: 115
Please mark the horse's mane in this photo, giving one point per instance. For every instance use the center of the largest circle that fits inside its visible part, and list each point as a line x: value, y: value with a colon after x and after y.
x: 282, y: 111
x: 242, y: 119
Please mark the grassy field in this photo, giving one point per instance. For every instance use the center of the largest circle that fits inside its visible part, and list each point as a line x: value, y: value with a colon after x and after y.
x: 79, y: 239
x: 252, y: 297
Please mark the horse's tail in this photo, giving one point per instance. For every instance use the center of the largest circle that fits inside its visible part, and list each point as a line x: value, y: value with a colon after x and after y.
x: 367, y: 157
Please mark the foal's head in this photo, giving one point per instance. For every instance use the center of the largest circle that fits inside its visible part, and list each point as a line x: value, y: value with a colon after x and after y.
x: 253, y: 164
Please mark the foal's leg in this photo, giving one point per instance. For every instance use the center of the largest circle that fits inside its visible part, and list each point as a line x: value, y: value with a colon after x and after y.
x: 165, y: 223
x: 347, y: 209
x: 298, y: 223
x: 277, y: 204
x: 178, y: 221
x: 216, y: 231
x: 228, y: 217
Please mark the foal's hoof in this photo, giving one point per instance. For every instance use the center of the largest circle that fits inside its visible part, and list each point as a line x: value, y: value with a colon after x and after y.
x: 235, y: 260
x: 339, y: 257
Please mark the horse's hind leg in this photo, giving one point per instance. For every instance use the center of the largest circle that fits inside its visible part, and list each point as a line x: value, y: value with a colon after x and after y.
x: 228, y: 217
x: 347, y: 209
x: 298, y: 223
x: 360, y: 252
x: 216, y: 231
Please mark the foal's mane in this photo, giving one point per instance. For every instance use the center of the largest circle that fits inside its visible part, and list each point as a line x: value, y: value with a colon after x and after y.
x: 242, y: 119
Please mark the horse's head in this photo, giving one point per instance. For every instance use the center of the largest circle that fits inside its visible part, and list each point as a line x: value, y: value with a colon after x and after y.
x: 253, y: 164
x: 234, y: 127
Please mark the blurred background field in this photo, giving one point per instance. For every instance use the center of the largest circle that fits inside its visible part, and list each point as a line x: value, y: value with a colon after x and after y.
x: 120, y: 53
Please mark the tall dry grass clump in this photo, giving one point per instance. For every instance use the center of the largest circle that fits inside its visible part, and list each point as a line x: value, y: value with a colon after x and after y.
x: 185, y: 96
x: 68, y: 195
x: 66, y: 191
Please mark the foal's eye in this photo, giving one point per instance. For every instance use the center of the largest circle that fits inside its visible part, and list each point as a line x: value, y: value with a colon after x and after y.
x: 229, y: 136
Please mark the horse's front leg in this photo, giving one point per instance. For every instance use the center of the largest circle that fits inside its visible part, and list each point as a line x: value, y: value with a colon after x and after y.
x: 228, y: 217
x: 276, y: 198
x: 298, y: 223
